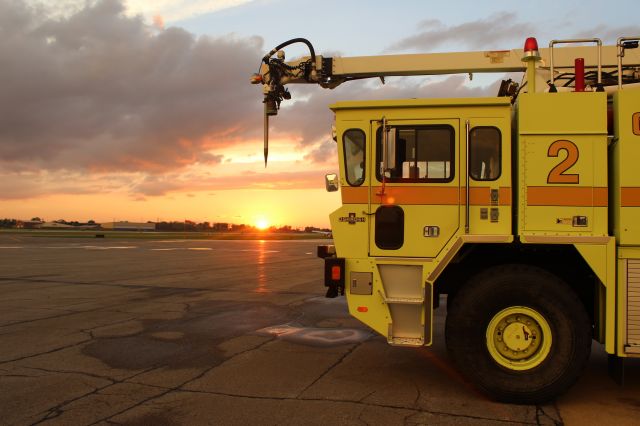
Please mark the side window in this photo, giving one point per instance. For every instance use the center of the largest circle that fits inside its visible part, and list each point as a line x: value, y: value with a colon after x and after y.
x: 418, y: 154
x: 485, y: 159
x: 354, y: 156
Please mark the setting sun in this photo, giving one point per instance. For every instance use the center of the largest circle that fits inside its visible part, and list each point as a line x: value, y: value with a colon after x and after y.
x: 262, y: 224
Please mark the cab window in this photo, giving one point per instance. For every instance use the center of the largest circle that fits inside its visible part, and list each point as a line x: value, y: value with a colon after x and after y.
x: 354, y: 156
x: 485, y: 145
x: 417, y: 154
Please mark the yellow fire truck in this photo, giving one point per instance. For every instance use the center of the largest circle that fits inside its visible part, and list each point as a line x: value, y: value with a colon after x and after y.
x: 524, y: 208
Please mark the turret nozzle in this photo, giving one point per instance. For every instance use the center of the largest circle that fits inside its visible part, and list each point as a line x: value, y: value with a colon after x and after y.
x: 256, y: 78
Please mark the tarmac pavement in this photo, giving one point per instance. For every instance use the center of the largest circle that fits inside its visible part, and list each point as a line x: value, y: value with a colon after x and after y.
x: 148, y: 332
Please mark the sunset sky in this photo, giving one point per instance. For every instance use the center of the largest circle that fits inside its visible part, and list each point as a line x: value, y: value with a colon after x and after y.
x: 142, y: 110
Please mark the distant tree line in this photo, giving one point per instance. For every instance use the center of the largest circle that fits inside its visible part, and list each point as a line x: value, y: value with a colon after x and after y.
x: 190, y: 226
x: 8, y: 223
x: 179, y: 226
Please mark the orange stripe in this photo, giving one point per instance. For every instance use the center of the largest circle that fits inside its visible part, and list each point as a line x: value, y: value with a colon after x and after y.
x: 630, y: 197
x: 355, y: 195
x: 431, y: 195
x: 567, y: 196
x: 477, y: 196
x: 481, y: 196
x: 505, y: 196
x: 601, y: 197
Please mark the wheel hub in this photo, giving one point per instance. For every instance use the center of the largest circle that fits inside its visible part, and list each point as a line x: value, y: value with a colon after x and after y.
x: 518, y: 338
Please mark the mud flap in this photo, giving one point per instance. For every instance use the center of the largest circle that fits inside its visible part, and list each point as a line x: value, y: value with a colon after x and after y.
x: 334, y: 276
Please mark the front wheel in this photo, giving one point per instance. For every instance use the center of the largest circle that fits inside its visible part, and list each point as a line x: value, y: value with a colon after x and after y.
x: 520, y: 333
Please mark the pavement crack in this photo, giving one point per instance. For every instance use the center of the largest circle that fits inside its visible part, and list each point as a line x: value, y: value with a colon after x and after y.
x: 45, y: 353
x: 328, y: 369
x: 9, y: 324
x: 418, y: 394
x: 208, y: 370
x: 177, y: 388
x: 367, y: 396
x: 364, y: 404
x: 58, y: 410
x: 360, y: 419
x: 555, y: 407
x: 541, y: 414
x: 81, y: 373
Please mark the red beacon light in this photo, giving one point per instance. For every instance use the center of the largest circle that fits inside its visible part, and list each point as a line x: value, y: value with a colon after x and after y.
x: 531, y: 50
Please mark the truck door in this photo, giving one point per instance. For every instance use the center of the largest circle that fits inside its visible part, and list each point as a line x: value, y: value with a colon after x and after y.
x: 415, y: 186
x: 489, y: 176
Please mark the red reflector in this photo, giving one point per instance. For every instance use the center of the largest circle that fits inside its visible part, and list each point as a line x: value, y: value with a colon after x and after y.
x: 363, y: 309
x: 335, y: 273
x: 530, y: 44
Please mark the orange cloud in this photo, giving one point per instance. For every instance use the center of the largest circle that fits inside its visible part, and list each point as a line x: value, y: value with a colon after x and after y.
x: 158, y: 22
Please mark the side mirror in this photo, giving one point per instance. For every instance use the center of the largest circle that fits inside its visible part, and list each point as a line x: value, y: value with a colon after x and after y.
x: 331, y: 182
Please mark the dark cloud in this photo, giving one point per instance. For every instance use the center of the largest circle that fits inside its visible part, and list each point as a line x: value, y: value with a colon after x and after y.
x: 163, y: 185
x: 101, y: 91
x: 485, y: 34
x: 14, y: 186
x: 95, y: 101
x: 609, y: 34
x: 324, y: 152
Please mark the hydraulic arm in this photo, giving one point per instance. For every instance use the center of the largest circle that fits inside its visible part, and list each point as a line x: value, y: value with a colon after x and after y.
x: 329, y: 72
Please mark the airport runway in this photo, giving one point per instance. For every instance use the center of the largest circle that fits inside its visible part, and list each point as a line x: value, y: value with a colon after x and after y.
x: 139, y: 332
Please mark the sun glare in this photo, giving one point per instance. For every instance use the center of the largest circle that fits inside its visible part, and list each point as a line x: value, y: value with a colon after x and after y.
x: 262, y: 224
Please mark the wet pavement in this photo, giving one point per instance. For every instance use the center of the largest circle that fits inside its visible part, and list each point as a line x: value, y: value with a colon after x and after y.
x: 173, y: 332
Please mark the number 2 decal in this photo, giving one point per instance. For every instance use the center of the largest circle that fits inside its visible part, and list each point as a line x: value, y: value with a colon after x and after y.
x: 557, y: 174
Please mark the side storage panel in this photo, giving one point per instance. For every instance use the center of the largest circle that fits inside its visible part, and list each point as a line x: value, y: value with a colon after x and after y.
x: 625, y: 179
x: 628, y: 309
x: 562, y: 148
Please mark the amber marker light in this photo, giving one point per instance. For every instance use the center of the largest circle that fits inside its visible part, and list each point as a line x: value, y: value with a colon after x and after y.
x: 335, y: 273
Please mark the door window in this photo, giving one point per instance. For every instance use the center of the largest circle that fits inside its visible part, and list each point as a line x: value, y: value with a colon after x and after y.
x: 485, y: 145
x: 354, y: 159
x: 417, y: 154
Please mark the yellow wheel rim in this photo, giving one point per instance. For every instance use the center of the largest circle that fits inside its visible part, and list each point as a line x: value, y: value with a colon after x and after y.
x: 519, y: 338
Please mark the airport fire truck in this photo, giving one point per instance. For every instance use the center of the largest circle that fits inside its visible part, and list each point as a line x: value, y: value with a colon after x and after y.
x: 523, y: 208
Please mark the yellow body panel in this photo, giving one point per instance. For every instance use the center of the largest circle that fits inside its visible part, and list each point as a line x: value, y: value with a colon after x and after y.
x: 563, y: 164
x: 602, y: 260
x: 626, y: 179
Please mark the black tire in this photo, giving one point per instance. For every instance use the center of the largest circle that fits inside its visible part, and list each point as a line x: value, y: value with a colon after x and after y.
x: 488, y: 294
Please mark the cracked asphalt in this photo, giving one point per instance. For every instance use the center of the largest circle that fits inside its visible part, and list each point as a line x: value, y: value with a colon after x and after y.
x: 139, y: 332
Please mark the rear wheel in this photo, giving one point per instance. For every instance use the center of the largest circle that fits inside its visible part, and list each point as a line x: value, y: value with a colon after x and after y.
x: 520, y: 333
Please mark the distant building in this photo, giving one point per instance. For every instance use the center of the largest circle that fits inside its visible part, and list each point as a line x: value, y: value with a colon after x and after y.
x: 55, y: 225
x: 221, y: 227
x: 129, y: 226
x: 29, y: 224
